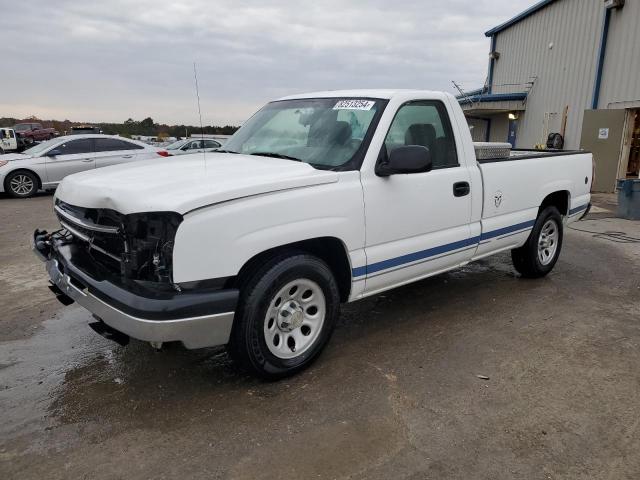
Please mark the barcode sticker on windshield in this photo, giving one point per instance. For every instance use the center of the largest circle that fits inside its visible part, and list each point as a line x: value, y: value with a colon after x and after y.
x: 354, y: 105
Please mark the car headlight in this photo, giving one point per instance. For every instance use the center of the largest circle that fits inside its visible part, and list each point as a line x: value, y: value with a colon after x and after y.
x: 3, y: 162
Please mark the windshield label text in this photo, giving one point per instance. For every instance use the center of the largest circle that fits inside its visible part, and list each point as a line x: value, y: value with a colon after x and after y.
x: 354, y: 105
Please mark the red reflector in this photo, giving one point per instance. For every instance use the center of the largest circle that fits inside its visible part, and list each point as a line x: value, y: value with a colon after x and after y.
x: 163, y: 153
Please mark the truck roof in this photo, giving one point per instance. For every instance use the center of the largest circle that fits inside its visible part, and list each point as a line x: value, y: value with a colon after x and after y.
x: 386, y: 94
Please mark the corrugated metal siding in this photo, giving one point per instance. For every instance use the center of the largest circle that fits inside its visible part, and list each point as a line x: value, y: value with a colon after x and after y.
x: 565, y: 73
x: 479, y: 130
x: 500, y: 129
x: 620, y: 80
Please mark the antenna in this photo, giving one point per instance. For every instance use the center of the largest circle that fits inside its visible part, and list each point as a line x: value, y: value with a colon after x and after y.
x: 204, y: 154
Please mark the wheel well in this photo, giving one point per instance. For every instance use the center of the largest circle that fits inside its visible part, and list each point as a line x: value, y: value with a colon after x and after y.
x: 6, y: 185
x: 559, y: 199
x: 329, y: 249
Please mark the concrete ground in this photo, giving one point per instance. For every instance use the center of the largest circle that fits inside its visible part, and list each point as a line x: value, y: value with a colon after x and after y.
x: 395, y: 395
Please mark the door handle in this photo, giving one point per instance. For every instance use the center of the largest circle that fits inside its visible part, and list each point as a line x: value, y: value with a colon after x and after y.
x: 460, y: 189
x: 127, y: 156
x: 87, y: 160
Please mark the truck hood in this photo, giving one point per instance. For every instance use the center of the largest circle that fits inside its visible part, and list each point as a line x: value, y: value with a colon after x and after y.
x: 184, y: 183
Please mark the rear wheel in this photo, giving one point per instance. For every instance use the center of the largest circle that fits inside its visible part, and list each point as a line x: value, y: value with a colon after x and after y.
x: 286, y: 315
x: 21, y: 184
x: 539, y: 254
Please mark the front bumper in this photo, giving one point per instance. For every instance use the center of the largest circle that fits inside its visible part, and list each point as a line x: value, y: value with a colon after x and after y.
x: 196, y: 318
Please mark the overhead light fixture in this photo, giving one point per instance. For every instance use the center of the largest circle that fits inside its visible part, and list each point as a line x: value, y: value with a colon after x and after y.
x: 513, y: 116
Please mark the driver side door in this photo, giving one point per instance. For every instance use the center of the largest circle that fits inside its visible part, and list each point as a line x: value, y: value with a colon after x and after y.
x: 72, y: 156
x: 417, y: 224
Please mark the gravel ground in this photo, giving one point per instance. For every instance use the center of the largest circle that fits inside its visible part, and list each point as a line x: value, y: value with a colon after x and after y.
x: 396, y: 394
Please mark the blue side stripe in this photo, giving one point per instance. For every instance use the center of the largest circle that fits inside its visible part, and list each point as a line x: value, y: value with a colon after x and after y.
x: 509, y: 229
x: 432, y: 252
x: 577, y: 209
x: 412, y: 257
x: 359, y: 271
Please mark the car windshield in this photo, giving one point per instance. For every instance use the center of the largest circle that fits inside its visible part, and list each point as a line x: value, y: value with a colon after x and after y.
x: 324, y: 132
x: 176, y: 145
x: 41, y: 147
x: 22, y: 127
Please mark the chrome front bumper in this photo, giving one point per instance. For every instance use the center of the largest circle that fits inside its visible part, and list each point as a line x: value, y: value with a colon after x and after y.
x: 193, y: 331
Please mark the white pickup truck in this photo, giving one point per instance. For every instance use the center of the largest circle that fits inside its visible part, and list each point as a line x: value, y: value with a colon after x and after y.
x: 318, y: 199
x: 8, y: 140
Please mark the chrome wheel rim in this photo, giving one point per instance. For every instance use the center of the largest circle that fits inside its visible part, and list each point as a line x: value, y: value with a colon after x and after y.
x: 21, y: 184
x: 294, y: 318
x: 548, y: 242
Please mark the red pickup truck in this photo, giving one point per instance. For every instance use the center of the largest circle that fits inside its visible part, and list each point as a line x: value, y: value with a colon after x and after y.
x: 29, y: 133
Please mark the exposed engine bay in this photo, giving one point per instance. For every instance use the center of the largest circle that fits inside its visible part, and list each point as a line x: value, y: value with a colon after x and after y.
x: 135, y: 247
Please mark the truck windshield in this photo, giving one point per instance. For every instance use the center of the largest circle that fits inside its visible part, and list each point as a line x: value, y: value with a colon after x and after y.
x: 324, y: 132
x: 21, y: 127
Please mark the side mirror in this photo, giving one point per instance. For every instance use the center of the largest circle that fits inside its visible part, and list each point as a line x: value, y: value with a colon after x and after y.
x: 407, y: 159
x: 54, y: 153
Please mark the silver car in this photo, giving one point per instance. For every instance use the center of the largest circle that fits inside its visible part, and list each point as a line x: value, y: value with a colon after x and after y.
x: 193, y: 145
x: 43, y: 166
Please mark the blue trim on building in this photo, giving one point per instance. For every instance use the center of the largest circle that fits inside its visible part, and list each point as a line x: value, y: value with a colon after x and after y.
x: 494, y: 97
x: 601, y: 56
x: 442, y: 249
x: 518, y: 18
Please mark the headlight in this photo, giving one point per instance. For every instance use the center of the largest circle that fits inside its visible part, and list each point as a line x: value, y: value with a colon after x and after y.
x: 3, y: 162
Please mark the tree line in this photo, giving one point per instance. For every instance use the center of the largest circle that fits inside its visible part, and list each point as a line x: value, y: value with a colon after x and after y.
x: 127, y: 128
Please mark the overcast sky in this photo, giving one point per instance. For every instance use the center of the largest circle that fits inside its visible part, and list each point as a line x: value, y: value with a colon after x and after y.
x: 114, y: 59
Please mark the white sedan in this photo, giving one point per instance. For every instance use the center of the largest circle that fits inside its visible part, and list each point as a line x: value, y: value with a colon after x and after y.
x: 191, y: 145
x: 43, y: 166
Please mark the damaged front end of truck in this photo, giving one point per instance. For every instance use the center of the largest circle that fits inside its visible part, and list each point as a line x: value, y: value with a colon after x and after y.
x: 120, y: 268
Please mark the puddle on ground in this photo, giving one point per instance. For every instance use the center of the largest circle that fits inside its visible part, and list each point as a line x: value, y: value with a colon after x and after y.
x: 64, y: 370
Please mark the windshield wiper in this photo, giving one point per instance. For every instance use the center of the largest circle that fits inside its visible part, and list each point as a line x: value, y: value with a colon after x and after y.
x: 277, y: 155
x: 219, y: 150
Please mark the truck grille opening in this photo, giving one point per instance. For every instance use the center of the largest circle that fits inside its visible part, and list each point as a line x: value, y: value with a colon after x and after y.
x: 136, y: 247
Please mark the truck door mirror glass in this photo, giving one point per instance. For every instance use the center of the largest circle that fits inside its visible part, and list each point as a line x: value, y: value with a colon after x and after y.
x: 406, y: 159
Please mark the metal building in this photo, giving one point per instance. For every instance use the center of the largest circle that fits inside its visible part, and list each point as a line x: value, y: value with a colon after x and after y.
x: 568, y: 67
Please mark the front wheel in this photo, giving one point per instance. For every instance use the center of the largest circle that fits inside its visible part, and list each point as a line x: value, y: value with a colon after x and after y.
x: 21, y: 184
x: 539, y: 254
x: 286, y: 315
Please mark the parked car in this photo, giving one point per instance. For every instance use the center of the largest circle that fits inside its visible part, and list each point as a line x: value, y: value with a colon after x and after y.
x: 29, y: 133
x: 191, y: 145
x: 8, y: 141
x: 84, y: 129
x: 43, y: 166
x: 318, y: 199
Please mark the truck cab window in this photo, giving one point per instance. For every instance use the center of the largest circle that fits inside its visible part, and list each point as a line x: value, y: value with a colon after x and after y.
x: 424, y: 123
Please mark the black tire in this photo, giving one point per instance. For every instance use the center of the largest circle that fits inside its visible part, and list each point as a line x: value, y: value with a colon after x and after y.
x: 248, y: 343
x: 16, y: 182
x: 526, y: 259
